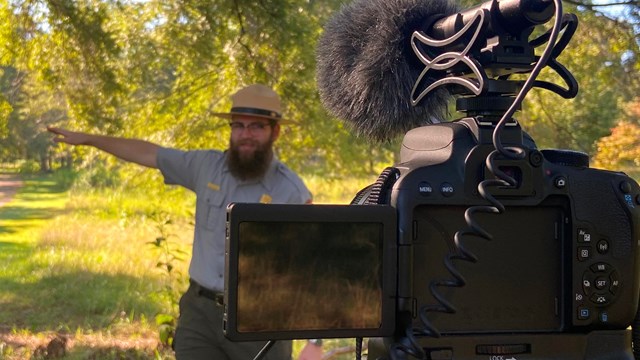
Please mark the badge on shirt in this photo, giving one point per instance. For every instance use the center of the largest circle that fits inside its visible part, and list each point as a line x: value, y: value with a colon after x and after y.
x: 265, y: 199
x: 213, y: 186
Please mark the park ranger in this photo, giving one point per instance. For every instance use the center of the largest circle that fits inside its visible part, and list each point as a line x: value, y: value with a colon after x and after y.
x: 247, y: 171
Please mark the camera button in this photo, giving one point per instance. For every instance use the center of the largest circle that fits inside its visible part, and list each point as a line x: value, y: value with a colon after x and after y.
x: 447, y: 189
x: 600, y: 267
x: 603, y: 246
x: 601, y: 299
x: 584, y: 236
x: 560, y: 182
x: 602, y: 282
x: 615, y: 282
x: 587, y: 283
x: 583, y: 313
x: 425, y: 189
x: 625, y: 187
x: 584, y: 253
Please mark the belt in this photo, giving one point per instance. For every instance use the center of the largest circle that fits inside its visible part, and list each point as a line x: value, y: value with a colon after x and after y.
x: 216, y: 296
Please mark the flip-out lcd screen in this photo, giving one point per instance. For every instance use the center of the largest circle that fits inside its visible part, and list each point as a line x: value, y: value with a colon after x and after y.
x: 308, y: 271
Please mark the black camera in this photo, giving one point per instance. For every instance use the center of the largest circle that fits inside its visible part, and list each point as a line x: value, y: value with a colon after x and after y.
x: 554, y: 276
x: 476, y: 245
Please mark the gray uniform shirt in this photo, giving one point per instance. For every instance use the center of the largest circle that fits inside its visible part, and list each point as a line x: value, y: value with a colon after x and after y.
x: 205, y: 172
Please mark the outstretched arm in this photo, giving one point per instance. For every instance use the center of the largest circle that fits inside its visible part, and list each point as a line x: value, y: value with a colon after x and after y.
x: 133, y: 150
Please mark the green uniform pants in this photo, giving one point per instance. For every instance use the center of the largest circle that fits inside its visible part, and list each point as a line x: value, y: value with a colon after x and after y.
x: 199, y: 334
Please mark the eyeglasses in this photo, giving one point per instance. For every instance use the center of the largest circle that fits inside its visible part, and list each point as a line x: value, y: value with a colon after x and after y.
x: 254, y: 127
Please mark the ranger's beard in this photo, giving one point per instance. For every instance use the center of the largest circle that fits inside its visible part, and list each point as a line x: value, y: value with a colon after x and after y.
x: 253, y: 166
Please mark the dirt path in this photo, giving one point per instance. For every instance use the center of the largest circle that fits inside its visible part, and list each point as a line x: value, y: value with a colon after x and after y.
x: 9, y: 185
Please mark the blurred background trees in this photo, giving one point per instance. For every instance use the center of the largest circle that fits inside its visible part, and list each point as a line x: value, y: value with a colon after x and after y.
x: 157, y: 69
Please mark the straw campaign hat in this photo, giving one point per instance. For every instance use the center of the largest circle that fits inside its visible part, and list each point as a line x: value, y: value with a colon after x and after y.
x: 256, y: 100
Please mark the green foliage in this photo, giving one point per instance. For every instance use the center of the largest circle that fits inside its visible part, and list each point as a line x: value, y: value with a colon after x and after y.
x: 601, y: 56
x: 28, y: 167
x: 158, y: 71
x: 65, y: 177
x: 620, y: 151
x: 336, y: 191
x: 166, y: 328
x: 5, y: 111
x: 170, y: 255
x: 31, y: 110
x: 99, y: 175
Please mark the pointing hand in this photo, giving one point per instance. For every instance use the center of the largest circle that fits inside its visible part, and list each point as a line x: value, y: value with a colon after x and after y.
x: 68, y: 137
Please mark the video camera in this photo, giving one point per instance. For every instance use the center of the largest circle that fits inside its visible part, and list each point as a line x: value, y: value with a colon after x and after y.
x: 476, y: 245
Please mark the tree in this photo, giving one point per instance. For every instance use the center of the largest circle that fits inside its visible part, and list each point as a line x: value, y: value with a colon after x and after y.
x: 604, y: 60
x: 158, y: 70
x: 621, y: 149
x: 625, y: 12
x: 30, y: 109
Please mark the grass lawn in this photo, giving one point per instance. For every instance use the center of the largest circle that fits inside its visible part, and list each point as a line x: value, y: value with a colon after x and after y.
x: 80, y: 266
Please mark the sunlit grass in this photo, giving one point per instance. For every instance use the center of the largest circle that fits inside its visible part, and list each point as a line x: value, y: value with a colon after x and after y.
x: 80, y: 262
x: 21, y: 223
x: 342, y: 191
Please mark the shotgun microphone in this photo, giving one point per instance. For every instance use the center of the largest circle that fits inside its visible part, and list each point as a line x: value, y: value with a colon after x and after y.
x: 366, y: 66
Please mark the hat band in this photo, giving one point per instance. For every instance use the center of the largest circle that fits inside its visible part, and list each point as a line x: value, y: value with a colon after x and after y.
x: 254, y: 111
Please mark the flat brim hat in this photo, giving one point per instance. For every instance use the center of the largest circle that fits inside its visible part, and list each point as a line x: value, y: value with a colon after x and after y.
x: 256, y: 100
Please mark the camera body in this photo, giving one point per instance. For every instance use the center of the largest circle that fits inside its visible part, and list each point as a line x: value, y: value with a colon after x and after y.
x: 557, y: 277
